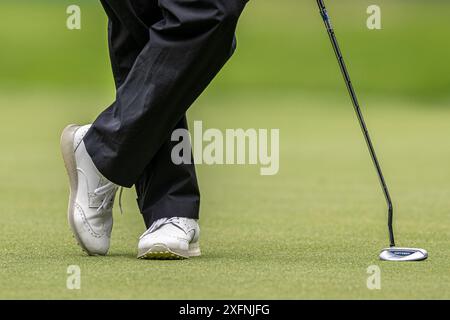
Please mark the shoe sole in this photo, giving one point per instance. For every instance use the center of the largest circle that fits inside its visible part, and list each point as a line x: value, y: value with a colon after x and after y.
x: 162, y: 252
x: 68, y: 154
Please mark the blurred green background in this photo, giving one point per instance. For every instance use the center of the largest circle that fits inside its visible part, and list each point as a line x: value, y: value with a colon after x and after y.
x: 281, y: 47
x: 309, y: 232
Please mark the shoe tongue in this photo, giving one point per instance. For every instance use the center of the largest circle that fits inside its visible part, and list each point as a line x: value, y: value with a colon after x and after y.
x: 95, y: 201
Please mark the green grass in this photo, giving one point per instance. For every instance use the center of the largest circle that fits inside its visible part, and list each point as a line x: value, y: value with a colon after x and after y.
x: 309, y: 232
x: 281, y: 47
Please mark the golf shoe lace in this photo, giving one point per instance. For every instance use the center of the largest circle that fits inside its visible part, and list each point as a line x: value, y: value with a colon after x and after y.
x: 108, y: 191
x: 179, y: 222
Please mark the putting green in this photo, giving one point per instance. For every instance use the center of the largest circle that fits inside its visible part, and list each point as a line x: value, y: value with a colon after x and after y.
x: 309, y: 232
x: 312, y: 230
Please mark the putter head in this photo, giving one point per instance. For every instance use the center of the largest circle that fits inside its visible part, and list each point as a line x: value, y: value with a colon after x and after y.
x: 403, y: 254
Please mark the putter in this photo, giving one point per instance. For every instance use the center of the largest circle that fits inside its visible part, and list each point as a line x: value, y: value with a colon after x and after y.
x: 392, y: 253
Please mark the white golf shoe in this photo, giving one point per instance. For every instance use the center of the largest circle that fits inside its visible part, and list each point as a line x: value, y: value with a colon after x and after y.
x: 173, y: 238
x: 91, y: 195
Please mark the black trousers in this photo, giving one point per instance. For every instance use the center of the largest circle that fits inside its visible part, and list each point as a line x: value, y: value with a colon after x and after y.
x: 164, y: 53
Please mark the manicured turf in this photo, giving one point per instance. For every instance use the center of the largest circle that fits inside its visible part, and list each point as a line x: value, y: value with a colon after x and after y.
x: 309, y: 232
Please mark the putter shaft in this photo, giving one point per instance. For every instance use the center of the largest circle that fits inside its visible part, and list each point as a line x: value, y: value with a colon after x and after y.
x: 351, y: 90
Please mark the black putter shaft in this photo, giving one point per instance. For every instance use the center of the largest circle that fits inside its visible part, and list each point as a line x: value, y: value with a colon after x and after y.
x: 351, y: 90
